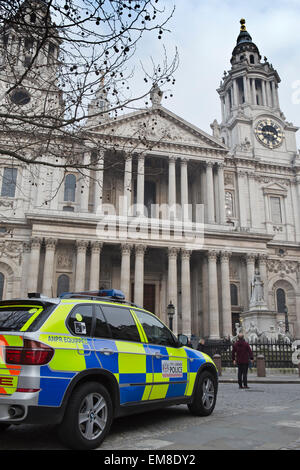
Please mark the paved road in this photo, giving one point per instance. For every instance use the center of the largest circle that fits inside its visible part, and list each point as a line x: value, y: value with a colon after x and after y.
x: 265, y: 417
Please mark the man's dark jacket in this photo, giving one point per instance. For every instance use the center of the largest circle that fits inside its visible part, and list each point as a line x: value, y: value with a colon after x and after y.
x: 241, y: 352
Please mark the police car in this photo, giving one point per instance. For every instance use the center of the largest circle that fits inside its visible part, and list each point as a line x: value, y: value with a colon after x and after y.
x: 83, y: 359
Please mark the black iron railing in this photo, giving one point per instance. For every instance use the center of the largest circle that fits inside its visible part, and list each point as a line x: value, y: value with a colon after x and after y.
x: 276, y: 354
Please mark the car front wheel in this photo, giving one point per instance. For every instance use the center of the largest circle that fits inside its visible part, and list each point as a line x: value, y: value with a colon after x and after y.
x: 88, y: 417
x: 205, y: 395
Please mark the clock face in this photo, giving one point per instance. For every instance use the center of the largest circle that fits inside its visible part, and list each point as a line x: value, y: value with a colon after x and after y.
x: 20, y: 97
x: 269, y: 133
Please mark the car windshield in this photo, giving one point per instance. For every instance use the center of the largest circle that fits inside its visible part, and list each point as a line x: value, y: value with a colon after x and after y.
x: 18, y: 318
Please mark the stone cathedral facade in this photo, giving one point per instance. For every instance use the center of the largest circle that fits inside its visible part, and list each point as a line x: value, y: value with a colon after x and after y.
x: 246, y: 177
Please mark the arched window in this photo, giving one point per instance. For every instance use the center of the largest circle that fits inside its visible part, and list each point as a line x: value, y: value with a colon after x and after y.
x: 1, y: 285
x: 70, y: 188
x: 251, y: 59
x: 229, y: 206
x: 280, y: 300
x: 63, y: 284
x: 234, y: 294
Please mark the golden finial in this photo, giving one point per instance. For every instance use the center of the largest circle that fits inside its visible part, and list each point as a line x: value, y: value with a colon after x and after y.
x: 243, y: 24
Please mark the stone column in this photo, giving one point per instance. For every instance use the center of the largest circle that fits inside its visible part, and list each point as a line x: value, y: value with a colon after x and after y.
x: 81, y: 246
x: 210, y: 193
x: 139, y: 275
x: 276, y: 96
x: 172, y: 187
x: 95, y: 265
x: 172, y: 284
x: 25, y: 266
x: 98, y: 192
x: 262, y: 260
x: 85, y: 184
x: 34, y: 265
x: 294, y: 195
x: 223, y: 108
x: 268, y: 221
x: 297, y: 183
x: 268, y: 93
x: 245, y: 89
x: 49, y: 267
x: 186, y: 293
x: 221, y: 193
x: 213, y: 301
x: 227, y: 105
x: 253, y: 89
x: 127, y: 185
x: 226, y: 300
x: 184, y: 190
x: 250, y: 263
x: 242, y: 198
x: 140, y: 199
x: 252, y: 199
x: 125, y: 270
x: 235, y: 93
x: 264, y: 95
x: 205, y: 306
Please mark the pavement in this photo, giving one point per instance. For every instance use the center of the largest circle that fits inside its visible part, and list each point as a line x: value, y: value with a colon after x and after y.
x: 271, y: 378
x: 267, y: 416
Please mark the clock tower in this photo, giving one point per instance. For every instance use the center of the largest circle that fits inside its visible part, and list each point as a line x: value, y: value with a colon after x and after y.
x: 29, y: 60
x: 252, y: 122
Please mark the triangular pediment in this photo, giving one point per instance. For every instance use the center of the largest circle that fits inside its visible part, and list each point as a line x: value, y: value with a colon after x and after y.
x: 158, y: 125
x: 275, y: 188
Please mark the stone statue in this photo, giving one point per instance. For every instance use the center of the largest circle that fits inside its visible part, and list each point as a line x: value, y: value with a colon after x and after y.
x: 257, y: 297
x: 238, y: 328
x: 253, y: 333
x: 282, y: 336
x: 216, y: 128
x: 156, y: 95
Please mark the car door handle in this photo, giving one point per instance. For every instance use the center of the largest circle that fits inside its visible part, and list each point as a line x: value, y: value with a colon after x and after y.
x: 158, y: 355
x: 106, y: 351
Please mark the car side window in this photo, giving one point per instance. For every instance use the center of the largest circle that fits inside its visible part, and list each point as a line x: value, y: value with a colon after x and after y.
x: 81, y: 319
x: 101, y: 328
x: 121, y: 323
x: 156, y: 332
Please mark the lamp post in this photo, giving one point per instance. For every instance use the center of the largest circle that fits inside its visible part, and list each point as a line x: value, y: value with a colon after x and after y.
x: 171, y: 313
x: 286, y: 318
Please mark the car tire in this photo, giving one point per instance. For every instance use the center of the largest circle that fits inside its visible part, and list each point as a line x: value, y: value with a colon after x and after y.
x: 205, y: 395
x: 88, y: 417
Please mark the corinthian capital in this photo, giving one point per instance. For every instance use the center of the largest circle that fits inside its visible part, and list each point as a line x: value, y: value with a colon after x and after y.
x: 81, y: 245
x: 212, y: 255
x: 140, y: 250
x: 36, y: 242
x: 225, y: 255
x: 173, y: 252
x: 186, y: 254
x: 96, y: 246
x: 50, y: 243
x: 126, y: 249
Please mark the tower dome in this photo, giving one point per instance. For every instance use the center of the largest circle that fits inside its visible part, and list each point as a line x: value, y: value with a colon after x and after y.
x: 245, y: 47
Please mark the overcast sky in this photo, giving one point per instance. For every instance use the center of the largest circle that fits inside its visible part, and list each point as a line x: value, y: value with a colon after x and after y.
x: 205, y: 32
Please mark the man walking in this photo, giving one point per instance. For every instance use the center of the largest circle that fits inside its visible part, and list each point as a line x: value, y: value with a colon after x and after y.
x: 241, y: 355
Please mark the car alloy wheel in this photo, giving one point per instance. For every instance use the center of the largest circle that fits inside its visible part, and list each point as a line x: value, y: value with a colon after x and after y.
x: 92, y: 417
x: 208, y: 395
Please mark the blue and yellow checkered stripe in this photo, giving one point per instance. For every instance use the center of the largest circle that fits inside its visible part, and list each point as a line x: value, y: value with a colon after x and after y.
x: 136, y: 369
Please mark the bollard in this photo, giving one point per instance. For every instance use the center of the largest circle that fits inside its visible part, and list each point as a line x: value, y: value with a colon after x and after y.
x: 261, y: 366
x: 299, y: 369
x: 218, y: 361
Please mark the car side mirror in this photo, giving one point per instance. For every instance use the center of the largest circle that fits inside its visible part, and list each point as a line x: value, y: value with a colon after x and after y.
x: 183, y: 340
